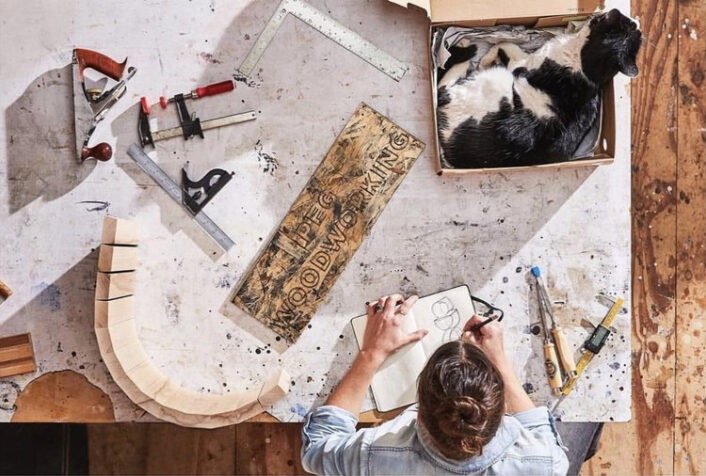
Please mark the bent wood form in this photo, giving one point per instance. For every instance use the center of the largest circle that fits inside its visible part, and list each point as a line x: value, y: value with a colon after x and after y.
x: 129, y: 364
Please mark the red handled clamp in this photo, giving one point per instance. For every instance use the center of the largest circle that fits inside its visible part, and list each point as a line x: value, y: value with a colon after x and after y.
x: 210, y: 90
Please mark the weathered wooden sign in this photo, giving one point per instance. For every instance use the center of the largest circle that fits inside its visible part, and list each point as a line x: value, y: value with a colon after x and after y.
x: 327, y: 222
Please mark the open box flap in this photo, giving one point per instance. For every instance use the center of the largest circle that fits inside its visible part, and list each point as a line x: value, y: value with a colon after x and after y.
x: 449, y: 11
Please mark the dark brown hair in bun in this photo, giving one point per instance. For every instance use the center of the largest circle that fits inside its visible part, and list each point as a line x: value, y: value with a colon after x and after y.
x: 461, y: 402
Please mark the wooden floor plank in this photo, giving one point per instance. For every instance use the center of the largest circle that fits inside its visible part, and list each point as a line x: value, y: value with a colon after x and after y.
x: 160, y: 448
x: 645, y: 445
x: 690, y: 422
x: 268, y: 448
x: 117, y: 448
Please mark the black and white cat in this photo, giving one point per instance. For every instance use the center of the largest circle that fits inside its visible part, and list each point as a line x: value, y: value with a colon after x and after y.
x: 524, y: 109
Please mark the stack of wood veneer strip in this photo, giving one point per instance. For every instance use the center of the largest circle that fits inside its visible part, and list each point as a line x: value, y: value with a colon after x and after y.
x: 131, y: 367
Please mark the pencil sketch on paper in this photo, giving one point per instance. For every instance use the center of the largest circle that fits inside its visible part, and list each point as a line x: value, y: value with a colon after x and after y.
x: 447, y: 319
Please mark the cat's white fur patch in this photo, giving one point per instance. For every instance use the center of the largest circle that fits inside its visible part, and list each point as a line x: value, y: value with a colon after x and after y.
x: 454, y: 73
x: 475, y: 98
x: 484, y: 91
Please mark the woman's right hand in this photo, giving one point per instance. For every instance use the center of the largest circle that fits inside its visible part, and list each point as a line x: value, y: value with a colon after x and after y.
x: 488, y: 338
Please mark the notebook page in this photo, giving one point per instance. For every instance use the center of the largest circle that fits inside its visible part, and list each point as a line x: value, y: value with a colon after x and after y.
x: 443, y: 314
x: 395, y: 383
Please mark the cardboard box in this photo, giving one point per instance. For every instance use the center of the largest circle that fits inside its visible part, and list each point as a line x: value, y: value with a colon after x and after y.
x: 533, y: 14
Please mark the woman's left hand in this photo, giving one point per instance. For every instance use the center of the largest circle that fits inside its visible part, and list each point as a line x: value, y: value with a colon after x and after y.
x: 383, y: 332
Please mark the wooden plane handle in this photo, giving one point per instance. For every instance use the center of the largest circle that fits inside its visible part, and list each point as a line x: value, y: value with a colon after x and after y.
x: 5, y: 290
x: 102, y: 152
x: 93, y: 59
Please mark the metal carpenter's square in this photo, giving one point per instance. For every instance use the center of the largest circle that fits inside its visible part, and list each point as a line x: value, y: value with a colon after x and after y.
x: 328, y: 27
x: 175, y: 191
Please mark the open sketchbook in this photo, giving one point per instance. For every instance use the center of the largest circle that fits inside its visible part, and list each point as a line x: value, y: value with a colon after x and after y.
x: 443, y: 314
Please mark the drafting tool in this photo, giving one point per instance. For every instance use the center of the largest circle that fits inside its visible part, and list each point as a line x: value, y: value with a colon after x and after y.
x: 200, y: 92
x: 551, y: 363
x: 195, y: 195
x: 591, y: 347
x: 16, y: 355
x: 5, y: 292
x: 175, y: 191
x: 566, y: 356
x: 328, y: 27
x: 189, y: 127
x: 92, y: 105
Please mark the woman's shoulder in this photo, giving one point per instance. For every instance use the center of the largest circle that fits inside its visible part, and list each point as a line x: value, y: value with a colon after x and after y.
x: 400, y: 432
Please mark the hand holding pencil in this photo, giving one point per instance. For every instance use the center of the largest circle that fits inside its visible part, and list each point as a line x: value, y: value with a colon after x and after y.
x: 488, y: 336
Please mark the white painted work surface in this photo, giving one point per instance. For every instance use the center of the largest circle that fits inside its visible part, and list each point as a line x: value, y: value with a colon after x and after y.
x: 484, y: 230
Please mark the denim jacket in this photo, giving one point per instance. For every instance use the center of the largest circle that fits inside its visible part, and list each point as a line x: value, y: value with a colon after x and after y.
x: 525, y: 443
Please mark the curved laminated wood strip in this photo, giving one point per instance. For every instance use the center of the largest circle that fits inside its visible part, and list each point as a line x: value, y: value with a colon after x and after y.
x: 130, y: 365
x: 113, y: 258
x: 118, y: 231
x: 142, y: 400
x: 114, y: 285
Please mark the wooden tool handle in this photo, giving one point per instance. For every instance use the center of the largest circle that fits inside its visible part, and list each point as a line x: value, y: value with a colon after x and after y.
x: 565, y: 355
x: 102, y: 152
x: 5, y: 290
x: 551, y: 365
x: 93, y: 59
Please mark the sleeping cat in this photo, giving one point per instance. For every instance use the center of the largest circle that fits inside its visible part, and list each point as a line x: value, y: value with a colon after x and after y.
x: 524, y: 109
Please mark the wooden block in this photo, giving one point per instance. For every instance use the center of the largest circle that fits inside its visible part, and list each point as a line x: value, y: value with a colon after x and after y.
x: 118, y: 231
x: 113, y: 312
x: 114, y: 258
x: 274, y: 388
x: 327, y: 223
x: 16, y: 355
x: 114, y: 285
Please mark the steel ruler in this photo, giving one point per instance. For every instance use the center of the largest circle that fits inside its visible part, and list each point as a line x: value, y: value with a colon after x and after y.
x: 175, y: 191
x: 330, y: 28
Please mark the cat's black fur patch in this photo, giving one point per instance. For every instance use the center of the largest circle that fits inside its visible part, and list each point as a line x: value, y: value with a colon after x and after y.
x: 515, y: 136
x: 459, y: 54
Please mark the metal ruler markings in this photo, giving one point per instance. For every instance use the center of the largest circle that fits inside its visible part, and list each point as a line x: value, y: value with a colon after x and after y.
x: 174, y: 191
x: 328, y: 27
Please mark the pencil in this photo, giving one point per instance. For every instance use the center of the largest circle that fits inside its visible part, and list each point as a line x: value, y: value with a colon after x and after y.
x: 477, y: 327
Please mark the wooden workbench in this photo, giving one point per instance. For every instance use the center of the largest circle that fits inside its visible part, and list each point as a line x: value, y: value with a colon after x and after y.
x: 484, y: 230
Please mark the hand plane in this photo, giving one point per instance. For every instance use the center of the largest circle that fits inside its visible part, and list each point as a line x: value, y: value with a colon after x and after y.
x: 91, y: 105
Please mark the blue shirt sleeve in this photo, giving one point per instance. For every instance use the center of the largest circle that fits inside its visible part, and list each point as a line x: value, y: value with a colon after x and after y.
x: 540, y: 422
x: 330, y: 442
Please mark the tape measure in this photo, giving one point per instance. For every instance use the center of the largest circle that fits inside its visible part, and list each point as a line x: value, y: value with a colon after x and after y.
x: 330, y: 28
x: 175, y: 191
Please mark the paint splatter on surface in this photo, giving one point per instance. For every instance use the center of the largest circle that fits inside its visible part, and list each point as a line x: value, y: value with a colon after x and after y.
x: 99, y: 205
x: 299, y: 409
x: 269, y: 163
x: 241, y: 78
x: 8, y: 394
x: 208, y: 58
